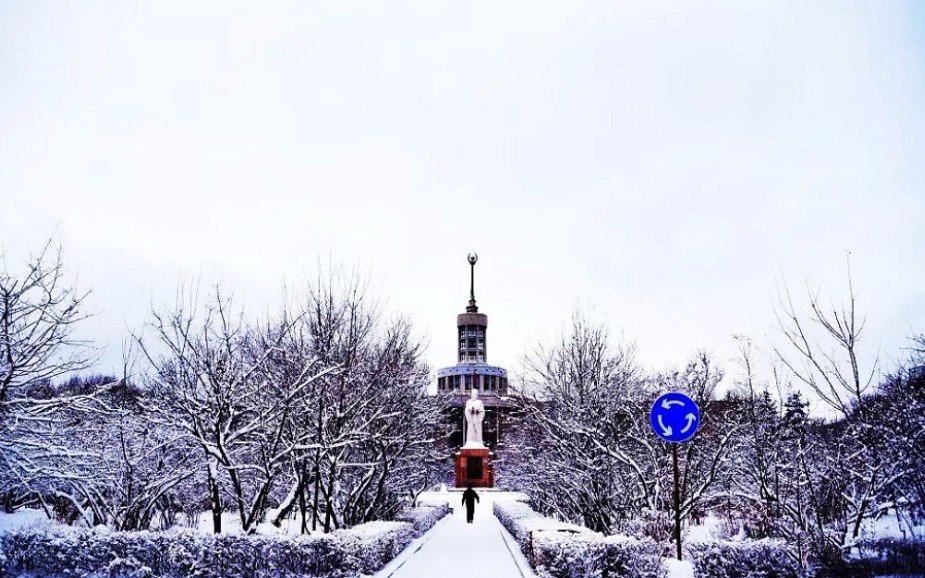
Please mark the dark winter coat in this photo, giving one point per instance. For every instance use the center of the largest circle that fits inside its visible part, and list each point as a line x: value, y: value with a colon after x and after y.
x: 469, y: 498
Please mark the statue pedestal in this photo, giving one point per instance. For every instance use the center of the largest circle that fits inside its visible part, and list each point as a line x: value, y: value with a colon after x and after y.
x: 474, y: 468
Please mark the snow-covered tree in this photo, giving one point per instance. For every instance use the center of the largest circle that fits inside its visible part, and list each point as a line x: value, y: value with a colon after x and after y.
x: 117, y: 469
x: 575, y: 399
x: 371, y: 429
x: 39, y: 313
x: 834, y: 368
x: 585, y: 451
x: 322, y: 409
x: 210, y: 379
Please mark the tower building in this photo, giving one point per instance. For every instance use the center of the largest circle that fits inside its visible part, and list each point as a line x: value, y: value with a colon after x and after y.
x: 472, y: 371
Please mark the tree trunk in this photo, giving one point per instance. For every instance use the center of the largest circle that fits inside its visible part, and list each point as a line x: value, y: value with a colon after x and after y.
x: 329, y: 516
x: 9, y: 502
x: 215, y: 500
x: 317, y: 475
x: 289, y: 503
x: 239, y: 497
x: 859, y: 518
x: 303, y: 509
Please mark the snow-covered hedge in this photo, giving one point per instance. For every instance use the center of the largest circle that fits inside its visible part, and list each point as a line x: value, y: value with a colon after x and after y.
x: 370, y: 546
x: 54, y: 551
x: 61, y: 550
x: 745, y: 559
x: 557, y: 549
x: 627, y: 556
x: 424, y: 516
x: 519, y: 519
x: 569, y: 554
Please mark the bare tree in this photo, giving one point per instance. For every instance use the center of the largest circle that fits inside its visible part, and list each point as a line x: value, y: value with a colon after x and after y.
x: 372, y: 426
x: 581, y: 363
x: 211, y: 379
x: 763, y: 477
x: 581, y: 388
x: 39, y: 312
x: 706, y: 456
x: 850, y: 472
x: 586, y: 452
x: 327, y: 400
x: 835, y: 372
x: 112, y: 467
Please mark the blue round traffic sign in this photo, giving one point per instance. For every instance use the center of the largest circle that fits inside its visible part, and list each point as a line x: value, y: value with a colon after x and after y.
x: 674, y: 417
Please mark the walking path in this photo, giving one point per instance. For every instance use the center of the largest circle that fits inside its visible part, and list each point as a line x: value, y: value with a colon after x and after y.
x: 455, y: 549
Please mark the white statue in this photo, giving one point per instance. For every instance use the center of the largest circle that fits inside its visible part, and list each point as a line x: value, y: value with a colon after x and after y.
x: 475, y: 413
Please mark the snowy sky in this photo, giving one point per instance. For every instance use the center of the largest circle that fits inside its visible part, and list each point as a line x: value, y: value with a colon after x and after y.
x: 665, y: 164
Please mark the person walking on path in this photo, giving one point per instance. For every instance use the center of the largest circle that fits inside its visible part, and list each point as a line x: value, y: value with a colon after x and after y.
x: 469, y: 498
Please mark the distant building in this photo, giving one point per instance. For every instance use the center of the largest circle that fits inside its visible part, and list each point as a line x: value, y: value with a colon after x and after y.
x: 472, y: 371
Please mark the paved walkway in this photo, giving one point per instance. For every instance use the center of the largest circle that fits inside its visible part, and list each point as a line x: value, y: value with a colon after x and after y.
x: 455, y: 549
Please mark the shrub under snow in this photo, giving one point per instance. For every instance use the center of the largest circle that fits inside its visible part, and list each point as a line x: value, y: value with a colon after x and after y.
x: 627, y: 556
x: 746, y: 559
x: 557, y: 549
x: 66, y: 551
x: 370, y: 546
x: 424, y: 516
x: 82, y: 552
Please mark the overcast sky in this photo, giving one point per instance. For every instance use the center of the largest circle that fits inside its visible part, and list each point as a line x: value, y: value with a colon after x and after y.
x: 665, y: 165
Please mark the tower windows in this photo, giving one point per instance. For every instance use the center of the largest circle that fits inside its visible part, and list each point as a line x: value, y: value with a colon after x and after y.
x: 472, y: 344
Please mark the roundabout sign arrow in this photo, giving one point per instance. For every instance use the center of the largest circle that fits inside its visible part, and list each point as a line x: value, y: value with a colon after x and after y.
x: 674, y: 417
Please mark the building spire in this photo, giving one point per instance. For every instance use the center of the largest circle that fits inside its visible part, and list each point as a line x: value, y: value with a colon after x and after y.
x: 472, y: 308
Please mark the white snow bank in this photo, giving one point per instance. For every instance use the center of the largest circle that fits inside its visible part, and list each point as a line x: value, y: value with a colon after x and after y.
x: 231, y: 524
x: 24, y: 518
x: 678, y: 568
x: 891, y: 525
x: 708, y: 531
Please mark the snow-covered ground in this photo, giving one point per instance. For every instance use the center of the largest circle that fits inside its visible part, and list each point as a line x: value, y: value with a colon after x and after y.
x: 231, y: 524
x: 22, y: 519
x: 708, y: 531
x: 455, y: 549
x: 679, y: 568
x: 889, y: 526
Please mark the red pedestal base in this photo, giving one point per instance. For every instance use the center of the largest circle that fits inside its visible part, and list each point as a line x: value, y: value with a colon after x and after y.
x: 474, y: 468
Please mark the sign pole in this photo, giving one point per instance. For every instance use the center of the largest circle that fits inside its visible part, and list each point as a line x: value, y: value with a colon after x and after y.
x: 677, y: 499
x: 675, y: 418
